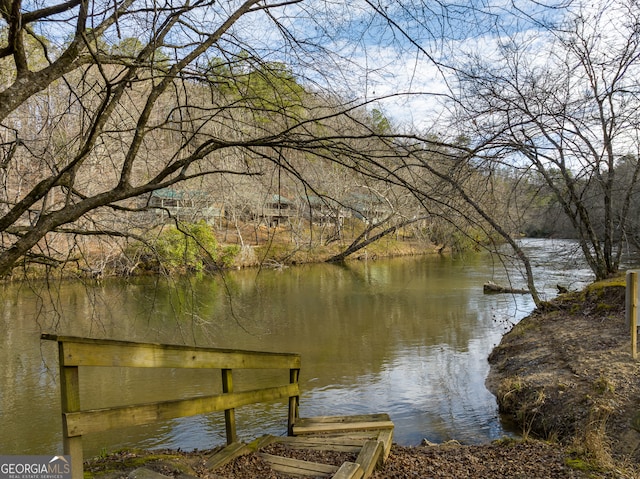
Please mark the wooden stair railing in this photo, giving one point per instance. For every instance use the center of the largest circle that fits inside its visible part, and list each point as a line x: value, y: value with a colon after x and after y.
x: 76, y: 352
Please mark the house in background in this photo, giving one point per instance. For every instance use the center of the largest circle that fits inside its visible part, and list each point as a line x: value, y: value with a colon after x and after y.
x: 270, y: 209
x: 321, y: 211
x: 276, y: 210
x: 368, y: 207
x: 185, y: 205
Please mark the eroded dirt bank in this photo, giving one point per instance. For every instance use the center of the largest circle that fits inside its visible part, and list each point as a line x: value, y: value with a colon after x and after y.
x: 566, y: 373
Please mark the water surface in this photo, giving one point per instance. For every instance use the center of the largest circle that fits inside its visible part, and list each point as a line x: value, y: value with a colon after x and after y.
x: 407, y: 336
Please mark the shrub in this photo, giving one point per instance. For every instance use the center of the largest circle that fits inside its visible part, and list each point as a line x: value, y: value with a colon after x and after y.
x: 190, y: 247
x: 228, y: 255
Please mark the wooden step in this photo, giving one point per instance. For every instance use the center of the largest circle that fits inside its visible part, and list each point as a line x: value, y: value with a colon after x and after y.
x: 349, y: 470
x: 370, y: 457
x: 369, y: 435
x: 352, y: 418
x: 386, y: 438
x: 336, y: 443
x: 227, y: 454
x: 236, y: 449
x: 297, y: 467
x: 344, y: 442
x: 331, y: 424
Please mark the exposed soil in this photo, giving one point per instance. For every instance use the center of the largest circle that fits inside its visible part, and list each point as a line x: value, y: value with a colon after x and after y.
x: 564, y: 374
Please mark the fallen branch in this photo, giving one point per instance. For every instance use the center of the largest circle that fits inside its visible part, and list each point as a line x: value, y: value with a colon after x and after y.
x: 492, y: 288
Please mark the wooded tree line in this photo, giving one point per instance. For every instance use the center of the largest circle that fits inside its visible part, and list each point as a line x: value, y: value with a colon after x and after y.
x: 103, y: 104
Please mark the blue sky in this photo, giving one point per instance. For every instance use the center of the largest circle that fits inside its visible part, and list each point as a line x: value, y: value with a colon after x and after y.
x: 388, y: 51
x: 384, y: 51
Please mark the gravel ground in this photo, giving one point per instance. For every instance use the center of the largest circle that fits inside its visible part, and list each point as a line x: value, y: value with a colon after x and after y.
x: 510, y: 459
x: 527, y: 460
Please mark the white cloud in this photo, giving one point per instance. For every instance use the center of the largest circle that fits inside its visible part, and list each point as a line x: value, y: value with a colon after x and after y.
x: 349, y: 48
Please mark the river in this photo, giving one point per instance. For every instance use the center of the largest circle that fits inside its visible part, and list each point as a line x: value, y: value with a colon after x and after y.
x: 407, y: 336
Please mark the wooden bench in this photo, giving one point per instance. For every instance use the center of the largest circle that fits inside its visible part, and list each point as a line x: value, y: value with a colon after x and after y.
x: 75, y: 352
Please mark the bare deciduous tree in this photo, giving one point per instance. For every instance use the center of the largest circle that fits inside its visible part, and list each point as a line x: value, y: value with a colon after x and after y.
x: 105, y: 102
x: 566, y: 106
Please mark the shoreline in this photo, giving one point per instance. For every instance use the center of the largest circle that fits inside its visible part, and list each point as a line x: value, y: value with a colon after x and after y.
x: 249, y: 257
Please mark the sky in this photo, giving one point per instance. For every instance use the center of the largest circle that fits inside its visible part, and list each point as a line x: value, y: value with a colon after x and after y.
x: 394, y: 53
x: 397, y: 53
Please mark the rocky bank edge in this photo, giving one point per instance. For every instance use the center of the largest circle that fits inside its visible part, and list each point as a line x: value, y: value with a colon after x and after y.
x: 564, y: 375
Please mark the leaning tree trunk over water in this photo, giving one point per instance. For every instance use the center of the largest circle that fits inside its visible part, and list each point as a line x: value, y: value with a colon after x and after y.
x: 363, y: 240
